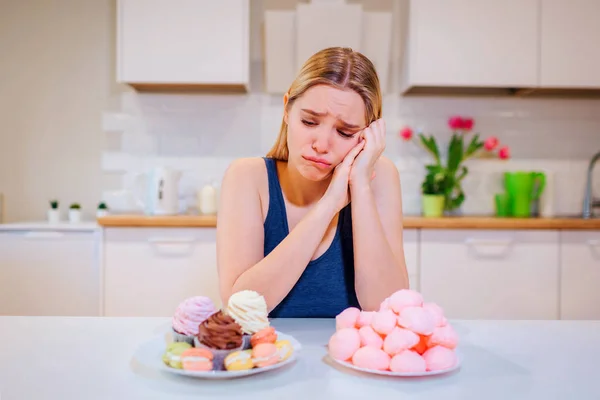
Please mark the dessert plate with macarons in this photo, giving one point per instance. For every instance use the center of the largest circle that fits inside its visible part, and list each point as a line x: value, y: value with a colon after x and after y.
x: 406, y: 337
x: 232, y: 342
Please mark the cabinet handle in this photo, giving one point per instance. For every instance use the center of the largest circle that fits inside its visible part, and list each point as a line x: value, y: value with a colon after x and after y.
x: 171, y: 240
x: 488, y: 242
x: 593, y: 242
x: 43, y: 235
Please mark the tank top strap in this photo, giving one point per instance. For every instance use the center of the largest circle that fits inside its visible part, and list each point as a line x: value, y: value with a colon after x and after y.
x: 276, y: 202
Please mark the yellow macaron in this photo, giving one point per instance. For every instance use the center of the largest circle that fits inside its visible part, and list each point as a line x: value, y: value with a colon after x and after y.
x: 239, y: 361
x: 284, y: 349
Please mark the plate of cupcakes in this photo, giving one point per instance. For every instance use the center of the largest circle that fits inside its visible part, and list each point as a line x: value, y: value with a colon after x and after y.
x: 211, y: 343
x: 405, y: 337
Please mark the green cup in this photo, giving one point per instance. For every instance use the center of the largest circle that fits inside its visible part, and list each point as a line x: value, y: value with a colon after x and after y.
x: 502, y: 201
x: 523, y: 188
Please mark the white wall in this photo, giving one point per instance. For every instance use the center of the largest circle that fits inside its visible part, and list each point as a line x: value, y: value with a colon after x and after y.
x: 68, y: 131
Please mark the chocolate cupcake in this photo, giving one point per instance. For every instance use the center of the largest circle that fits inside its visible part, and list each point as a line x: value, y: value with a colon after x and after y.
x: 220, y: 334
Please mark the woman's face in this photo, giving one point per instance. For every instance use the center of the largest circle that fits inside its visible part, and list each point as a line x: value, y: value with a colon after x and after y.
x: 324, y: 124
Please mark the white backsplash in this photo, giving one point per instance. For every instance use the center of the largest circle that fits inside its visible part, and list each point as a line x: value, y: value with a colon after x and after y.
x: 202, y: 134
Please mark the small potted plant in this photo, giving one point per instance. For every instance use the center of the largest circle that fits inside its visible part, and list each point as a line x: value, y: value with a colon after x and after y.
x: 54, y: 212
x: 102, y: 210
x: 75, y: 213
x: 433, y: 191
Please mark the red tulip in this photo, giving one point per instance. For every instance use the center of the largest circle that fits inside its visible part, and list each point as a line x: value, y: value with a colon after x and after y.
x: 504, y: 153
x: 467, y: 124
x: 490, y: 143
x: 455, y: 123
x: 406, y: 133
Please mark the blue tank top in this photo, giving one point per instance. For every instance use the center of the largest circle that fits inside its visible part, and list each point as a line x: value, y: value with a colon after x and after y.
x: 326, y: 287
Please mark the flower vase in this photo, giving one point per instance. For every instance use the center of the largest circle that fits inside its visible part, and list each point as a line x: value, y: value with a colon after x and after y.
x: 101, y: 213
x: 433, y: 205
x: 53, y: 216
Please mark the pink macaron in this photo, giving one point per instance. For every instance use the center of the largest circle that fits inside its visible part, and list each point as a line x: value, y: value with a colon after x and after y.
x: 398, y: 340
x: 347, y: 318
x: 371, y: 358
x: 408, y: 361
x: 405, y: 298
x: 439, y: 358
x: 384, y: 321
x: 417, y: 319
x: 265, y: 354
x: 368, y: 337
x: 344, y: 343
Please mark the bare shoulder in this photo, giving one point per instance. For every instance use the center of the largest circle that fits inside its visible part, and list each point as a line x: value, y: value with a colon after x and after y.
x: 245, y: 169
x: 246, y: 179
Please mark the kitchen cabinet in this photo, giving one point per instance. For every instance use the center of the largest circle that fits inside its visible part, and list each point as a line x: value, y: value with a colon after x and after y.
x: 472, y: 43
x: 183, y: 42
x: 580, y: 275
x: 149, y: 271
x: 481, y: 274
x: 49, y: 272
x: 570, y: 54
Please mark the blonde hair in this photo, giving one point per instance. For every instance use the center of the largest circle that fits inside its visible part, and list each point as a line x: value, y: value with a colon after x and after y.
x: 341, y: 68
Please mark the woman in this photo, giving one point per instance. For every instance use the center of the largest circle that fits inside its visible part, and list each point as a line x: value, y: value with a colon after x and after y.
x: 286, y: 227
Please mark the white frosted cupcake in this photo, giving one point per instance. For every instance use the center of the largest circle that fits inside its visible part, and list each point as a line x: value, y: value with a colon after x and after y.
x: 249, y: 310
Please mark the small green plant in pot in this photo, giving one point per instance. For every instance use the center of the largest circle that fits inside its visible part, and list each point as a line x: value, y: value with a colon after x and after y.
x: 54, y: 212
x: 75, y: 213
x: 102, y: 210
x: 448, y: 174
x: 433, y: 191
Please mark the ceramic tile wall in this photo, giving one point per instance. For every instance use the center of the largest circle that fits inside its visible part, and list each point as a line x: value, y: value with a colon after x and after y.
x: 202, y: 134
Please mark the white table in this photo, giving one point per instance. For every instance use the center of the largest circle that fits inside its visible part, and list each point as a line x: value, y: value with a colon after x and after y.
x: 92, y: 358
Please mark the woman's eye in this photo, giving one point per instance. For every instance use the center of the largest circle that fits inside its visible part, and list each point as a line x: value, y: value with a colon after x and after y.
x: 344, y: 134
x: 308, y: 123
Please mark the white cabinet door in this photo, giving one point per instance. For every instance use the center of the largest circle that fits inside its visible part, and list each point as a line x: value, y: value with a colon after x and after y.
x: 411, y: 256
x: 49, y: 273
x: 474, y: 43
x: 580, y: 275
x: 149, y: 271
x: 570, y: 49
x: 491, y: 274
x: 183, y: 42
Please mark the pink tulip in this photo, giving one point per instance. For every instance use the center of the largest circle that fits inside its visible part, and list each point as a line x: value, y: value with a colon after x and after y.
x: 467, y: 124
x: 455, y: 122
x: 504, y: 153
x: 406, y: 133
x: 490, y: 143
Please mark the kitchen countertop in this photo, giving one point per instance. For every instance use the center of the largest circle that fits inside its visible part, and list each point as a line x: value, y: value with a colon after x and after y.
x: 94, y: 358
x: 410, y: 222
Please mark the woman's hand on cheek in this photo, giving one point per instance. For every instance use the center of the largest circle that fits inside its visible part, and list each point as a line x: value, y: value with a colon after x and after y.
x: 363, y: 168
x: 337, y: 191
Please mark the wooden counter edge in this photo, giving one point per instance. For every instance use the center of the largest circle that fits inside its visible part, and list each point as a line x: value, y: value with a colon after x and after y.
x: 410, y: 222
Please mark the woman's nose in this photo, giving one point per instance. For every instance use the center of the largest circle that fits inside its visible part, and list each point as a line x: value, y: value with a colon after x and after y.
x: 321, y: 141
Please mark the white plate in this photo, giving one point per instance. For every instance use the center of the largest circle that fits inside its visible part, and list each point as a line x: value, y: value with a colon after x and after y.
x: 400, y: 374
x: 150, y: 354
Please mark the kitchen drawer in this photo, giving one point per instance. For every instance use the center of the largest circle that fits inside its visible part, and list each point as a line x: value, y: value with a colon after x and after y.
x: 491, y: 274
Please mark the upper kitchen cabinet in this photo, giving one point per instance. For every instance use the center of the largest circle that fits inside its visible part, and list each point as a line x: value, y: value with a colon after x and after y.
x: 570, y: 54
x: 471, y: 44
x: 183, y: 43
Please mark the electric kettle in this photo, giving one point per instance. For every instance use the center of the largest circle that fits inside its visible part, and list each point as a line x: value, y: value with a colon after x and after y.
x: 158, y: 191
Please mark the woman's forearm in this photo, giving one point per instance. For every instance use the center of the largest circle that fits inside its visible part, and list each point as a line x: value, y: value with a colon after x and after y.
x: 378, y: 273
x: 276, y: 274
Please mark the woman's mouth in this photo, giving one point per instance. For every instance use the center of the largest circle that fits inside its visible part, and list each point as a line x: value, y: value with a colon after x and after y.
x: 319, y: 162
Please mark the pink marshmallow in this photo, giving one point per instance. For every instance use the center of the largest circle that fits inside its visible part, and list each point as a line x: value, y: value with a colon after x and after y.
x: 437, y: 312
x: 368, y: 337
x: 385, y: 305
x: 417, y: 319
x: 439, y: 358
x: 398, y: 340
x: 371, y: 358
x: 443, y: 336
x: 405, y: 298
x: 408, y: 361
x: 384, y: 321
x: 364, y: 318
x: 347, y: 318
x: 344, y: 343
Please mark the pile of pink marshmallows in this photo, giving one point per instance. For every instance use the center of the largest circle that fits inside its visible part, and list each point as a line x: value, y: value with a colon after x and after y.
x: 406, y: 335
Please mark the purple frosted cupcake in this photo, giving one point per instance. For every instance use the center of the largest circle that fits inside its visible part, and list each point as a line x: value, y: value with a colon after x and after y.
x: 189, y: 315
